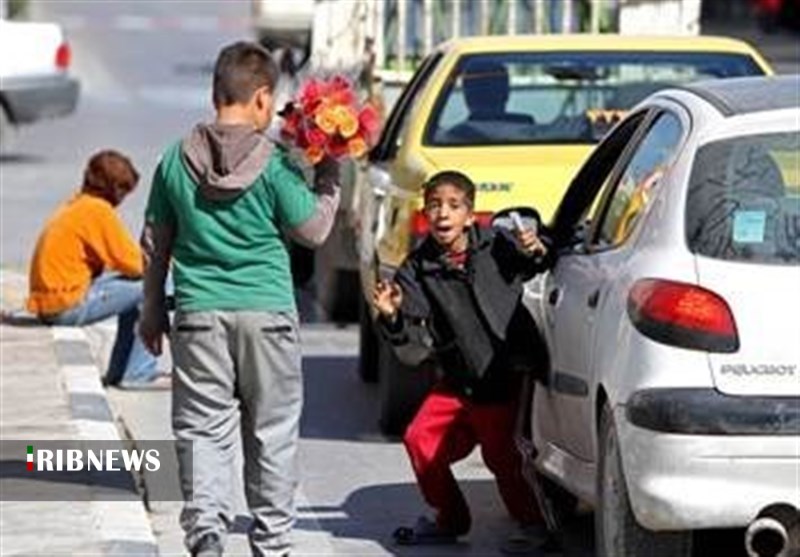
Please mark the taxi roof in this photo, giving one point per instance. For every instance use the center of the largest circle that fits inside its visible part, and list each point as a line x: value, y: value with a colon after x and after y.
x: 597, y: 42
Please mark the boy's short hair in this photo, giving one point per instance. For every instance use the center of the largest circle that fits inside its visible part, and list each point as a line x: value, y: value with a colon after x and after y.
x: 240, y: 70
x: 109, y: 175
x: 453, y: 177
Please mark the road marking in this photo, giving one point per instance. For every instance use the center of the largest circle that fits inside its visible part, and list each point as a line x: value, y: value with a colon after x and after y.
x: 138, y: 23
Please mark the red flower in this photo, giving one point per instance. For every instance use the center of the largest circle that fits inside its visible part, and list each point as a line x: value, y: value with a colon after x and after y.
x: 316, y: 136
x: 369, y: 123
x: 326, y: 118
x: 337, y: 147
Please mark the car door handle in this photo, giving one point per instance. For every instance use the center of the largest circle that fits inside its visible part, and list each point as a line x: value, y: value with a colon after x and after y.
x: 594, y: 297
x: 553, y: 297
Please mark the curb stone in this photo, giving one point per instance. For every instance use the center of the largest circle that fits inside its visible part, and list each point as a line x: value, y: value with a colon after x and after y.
x: 122, y: 527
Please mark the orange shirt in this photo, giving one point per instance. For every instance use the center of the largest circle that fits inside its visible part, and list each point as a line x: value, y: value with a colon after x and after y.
x: 84, y: 238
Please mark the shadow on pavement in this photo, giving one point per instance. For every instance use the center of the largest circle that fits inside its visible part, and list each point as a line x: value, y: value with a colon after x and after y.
x: 19, y: 484
x: 338, y: 406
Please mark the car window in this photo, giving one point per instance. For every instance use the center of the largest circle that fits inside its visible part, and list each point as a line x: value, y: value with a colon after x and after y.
x: 560, y: 97
x: 573, y: 218
x: 398, y: 120
x: 635, y: 186
x: 743, y: 202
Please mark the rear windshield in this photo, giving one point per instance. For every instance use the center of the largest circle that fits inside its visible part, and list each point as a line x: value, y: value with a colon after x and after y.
x: 559, y: 97
x: 744, y: 199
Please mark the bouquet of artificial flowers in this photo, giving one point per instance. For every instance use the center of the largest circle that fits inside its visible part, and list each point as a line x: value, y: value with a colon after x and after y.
x: 327, y: 119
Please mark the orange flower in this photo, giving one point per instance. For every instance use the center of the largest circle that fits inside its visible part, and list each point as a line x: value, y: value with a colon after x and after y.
x: 314, y: 153
x: 325, y: 118
x: 357, y: 147
x: 346, y: 120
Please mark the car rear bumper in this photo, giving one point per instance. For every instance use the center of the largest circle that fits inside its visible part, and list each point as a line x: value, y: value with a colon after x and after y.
x: 37, y: 98
x: 679, y: 481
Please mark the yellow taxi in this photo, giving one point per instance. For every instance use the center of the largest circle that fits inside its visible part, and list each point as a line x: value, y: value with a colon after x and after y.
x: 518, y: 114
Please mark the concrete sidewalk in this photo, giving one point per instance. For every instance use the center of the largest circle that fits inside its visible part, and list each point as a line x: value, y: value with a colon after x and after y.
x: 50, y: 390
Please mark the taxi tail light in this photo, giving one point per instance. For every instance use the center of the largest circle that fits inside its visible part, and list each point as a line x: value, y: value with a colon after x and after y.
x: 63, y: 56
x: 683, y: 315
x: 420, y: 227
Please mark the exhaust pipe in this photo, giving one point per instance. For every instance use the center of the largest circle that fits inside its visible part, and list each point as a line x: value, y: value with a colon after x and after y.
x: 775, y: 532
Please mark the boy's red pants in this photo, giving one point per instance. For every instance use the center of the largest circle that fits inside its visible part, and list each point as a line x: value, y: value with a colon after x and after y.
x: 445, y: 430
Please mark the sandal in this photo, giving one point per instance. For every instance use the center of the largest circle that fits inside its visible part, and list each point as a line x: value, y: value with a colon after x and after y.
x: 424, y: 532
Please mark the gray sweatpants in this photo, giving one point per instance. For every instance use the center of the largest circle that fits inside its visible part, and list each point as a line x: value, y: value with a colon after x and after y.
x: 231, y: 368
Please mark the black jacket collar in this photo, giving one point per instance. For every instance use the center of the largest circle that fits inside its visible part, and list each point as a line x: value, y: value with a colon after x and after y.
x: 433, y: 258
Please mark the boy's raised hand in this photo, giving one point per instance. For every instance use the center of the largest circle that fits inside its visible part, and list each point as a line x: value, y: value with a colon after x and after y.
x: 387, y: 297
x: 530, y: 242
x: 527, y: 237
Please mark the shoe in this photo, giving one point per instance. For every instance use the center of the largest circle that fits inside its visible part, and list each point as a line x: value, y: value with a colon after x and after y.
x: 527, y: 540
x: 159, y: 382
x: 424, y: 532
x: 209, y: 545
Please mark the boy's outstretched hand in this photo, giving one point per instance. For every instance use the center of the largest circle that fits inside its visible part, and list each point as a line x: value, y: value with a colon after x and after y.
x: 529, y: 242
x: 387, y: 297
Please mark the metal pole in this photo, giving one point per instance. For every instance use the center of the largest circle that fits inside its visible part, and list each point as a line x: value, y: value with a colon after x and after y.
x: 455, y: 13
x: 485, y: 17
x: 401, y: 35
x: 566, y: 19
x: 427, y: 25
x: 538, y: 17
x: 595, y: 6
x: 377, y: 32
x: 512, y: 16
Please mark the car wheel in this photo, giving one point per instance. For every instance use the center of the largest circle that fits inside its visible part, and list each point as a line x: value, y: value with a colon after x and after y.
x: 368, y: 342
x: 402, y: 389
x: 6, y: 131
x: 616, y: 530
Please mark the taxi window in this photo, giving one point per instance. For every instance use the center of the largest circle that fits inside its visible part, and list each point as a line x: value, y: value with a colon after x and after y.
x: 637, y: 184
x: 397, y: 122
x: 743, y: 202
x: 560, y: 97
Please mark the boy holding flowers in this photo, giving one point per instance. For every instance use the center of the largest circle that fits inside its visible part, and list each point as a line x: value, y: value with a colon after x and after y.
x: 222, y: 201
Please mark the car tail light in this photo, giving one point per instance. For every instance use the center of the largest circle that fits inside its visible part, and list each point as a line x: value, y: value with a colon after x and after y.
x: 420, y: 227
x: 684, y: 315
x: 63, y: 56
x: 419, y: 224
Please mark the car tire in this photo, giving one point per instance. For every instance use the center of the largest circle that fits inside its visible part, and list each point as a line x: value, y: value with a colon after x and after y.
x: 368, y: 345
x: 7, y: 132
x: 402, y: 389
x: 616, y: 530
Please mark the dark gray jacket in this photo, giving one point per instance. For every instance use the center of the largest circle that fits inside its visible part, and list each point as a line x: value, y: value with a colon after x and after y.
x: 472, y: 318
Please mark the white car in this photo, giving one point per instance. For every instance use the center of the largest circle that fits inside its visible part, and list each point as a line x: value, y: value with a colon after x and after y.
x: 672, y: 322
x: 35, y: 83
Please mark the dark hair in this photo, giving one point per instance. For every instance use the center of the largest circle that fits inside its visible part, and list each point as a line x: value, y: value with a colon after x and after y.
x: 240, y: 70
x: 453, y: 177
x: 109, y: 175
x: 486, y: 86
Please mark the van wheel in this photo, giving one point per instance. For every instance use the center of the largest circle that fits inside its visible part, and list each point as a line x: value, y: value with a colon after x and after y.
x: 616, y: 531
x: 402, y: 389
x: 368, y: 342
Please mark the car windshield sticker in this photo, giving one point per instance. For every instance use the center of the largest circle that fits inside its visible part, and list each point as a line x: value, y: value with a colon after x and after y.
x: 748, y: 226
